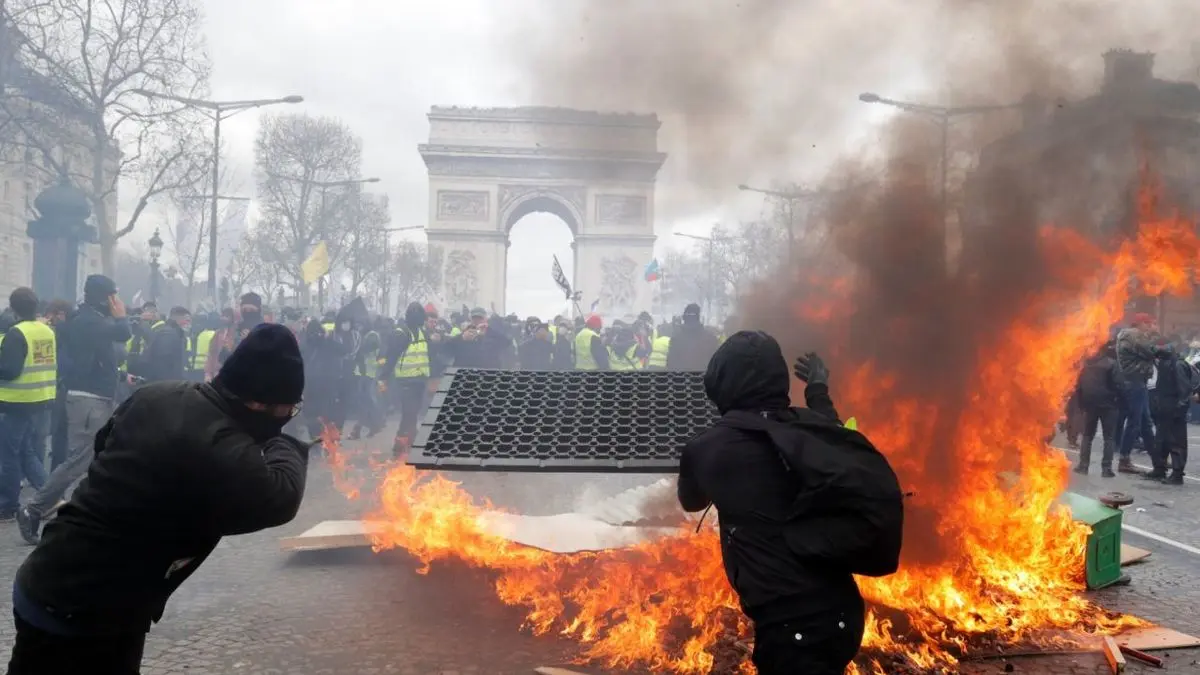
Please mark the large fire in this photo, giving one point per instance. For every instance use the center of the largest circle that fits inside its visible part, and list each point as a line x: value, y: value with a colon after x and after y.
x: 1009, y: 571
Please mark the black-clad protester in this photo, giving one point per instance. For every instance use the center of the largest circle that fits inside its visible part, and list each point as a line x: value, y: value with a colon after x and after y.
x: 692, y: 345
x: 178, y: 466
x: 87, y: 367
x: 803, y: 504
x: 1169, y: 401
x: 537, y: 350
x: 167, y: 356
x: 251, y: 313
x: 1098, y: 393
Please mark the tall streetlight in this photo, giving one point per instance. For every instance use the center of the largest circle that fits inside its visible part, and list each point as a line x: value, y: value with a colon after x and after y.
x: 323, y: 186
x: 217, y: 111
x: 156, y: 248
x: 708, y: 286
x: 387, y: 260
x: 943, y: 116
x: 792, y: 197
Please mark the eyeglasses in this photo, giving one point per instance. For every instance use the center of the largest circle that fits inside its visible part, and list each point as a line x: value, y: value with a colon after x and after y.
x: 289, y: 411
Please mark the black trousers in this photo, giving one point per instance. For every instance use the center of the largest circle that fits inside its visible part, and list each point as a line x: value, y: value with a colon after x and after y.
x: 37, y: 652
x: 58, y: 431
x: 1075, y: 419
x: 820, y: 646
x: 1172, y: 441
x: 1106, y: 418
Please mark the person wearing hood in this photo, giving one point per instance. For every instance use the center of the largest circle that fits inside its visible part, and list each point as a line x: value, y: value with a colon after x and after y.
x: 482, y: 344
x: 794, y: 532
x: 177, y: 467
x: 692, y: 345
x: 405, y: 373
x: 537, y: 350
x: 87, y: 349
x: 249, y: 316
x: 222, y: 343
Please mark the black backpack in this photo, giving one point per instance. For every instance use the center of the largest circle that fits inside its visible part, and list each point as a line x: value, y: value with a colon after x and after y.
x: 849, y: 509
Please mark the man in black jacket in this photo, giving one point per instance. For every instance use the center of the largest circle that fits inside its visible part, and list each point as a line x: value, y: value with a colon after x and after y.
x: 167, y: 355
x: 1098, y: 393
x: 178, y: 466
x: 691, y: 343
x: 87, y: 348
x: 807, y: 612
x: 537, y: 350
x: 1169, y: 401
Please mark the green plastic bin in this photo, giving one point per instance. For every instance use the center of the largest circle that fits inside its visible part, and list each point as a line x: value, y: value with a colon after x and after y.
x: 1103, y: 560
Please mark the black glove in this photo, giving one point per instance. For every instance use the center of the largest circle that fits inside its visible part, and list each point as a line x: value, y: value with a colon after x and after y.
x: 810, y: 369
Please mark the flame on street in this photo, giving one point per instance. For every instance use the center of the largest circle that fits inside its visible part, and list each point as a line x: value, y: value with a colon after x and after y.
x: 1010, y: 563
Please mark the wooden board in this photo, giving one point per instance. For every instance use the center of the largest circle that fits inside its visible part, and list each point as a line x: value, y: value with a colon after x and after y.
x: 1156, y: 638
x: 328, y: 535
x: 1112, y: 654
x: 563, y: 533
x: 1132, y: 554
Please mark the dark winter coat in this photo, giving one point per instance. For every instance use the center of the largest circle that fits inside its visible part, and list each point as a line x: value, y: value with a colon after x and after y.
x: 741, y: 473
x: 1099, y: 384
x: 87, y: 342
x: 691, y: 347
x: 1177, y: 381
x: 174, y: 471
x: 536, y: 354
x: 166, y: 354
x: 1135, y: 356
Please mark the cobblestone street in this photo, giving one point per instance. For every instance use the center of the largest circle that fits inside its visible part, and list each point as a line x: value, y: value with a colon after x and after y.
x: 255, y: 610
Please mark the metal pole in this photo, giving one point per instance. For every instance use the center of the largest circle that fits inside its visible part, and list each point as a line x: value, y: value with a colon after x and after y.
x: 945, y: 119
x: 216, y: 195
x: 321, y: 279
x: 154, y: 280
x: 709, y: 295
x: 791, y: 254
x: 387, y: 276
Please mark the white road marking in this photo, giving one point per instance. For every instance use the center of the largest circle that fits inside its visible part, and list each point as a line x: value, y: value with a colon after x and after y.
x: 1140, y: 466
x: 1161, y: 539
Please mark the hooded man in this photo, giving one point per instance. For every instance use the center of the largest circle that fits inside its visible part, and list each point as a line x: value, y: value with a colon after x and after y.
x: 178, y: 466
x: 537, y: 350
x: 406, y: 371
x: 691, y: 343
x: 87, y: 358
x: 792, y: 531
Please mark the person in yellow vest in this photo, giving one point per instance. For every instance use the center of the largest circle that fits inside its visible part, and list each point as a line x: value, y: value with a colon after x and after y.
x: 143, y: 331
x: 203, y: 343
x: 660, y: 347
x: 590, y: 352
x: 168, y: 354
x: 623, y: 353
x: 28, y: 387
x: 406, y: 373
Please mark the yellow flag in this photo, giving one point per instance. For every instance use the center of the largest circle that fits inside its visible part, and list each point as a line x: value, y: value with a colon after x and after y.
x: 317, y: 264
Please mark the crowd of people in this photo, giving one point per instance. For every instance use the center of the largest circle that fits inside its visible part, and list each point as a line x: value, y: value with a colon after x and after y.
x: 64, y: 369
x: 1137, y: 390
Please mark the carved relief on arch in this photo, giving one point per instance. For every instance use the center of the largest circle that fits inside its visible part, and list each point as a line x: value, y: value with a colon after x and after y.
x: 618, y: 291
x: 461, y: 279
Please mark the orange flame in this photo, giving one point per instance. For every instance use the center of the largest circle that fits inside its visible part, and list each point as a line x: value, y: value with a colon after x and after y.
x: 1013, y: 573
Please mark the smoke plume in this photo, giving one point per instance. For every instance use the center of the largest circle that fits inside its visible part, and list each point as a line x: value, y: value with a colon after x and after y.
x: 768, y: 90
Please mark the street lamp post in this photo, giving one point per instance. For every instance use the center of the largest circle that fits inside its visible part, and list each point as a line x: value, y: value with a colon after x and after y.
x: 792, y: 197
x: 156, y: 247
x: 943, y: 116
x: 217, y: 110
x: 708, y: 286
x: 323, y: 186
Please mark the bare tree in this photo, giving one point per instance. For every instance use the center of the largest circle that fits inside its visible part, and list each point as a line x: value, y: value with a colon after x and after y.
x: 86, y: 66
x: 414, y: 272
x: 297, y: 158
x: 743, y: 254
x: 364, y: 255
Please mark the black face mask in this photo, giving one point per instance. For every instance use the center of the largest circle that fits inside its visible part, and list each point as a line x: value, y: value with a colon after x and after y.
x: 261, y: 425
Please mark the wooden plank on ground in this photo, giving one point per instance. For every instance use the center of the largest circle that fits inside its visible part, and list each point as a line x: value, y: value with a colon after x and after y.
x: 330, y: 534
x: 1112, y: 654
x: 1132, y: 554
x: 1155, y: 638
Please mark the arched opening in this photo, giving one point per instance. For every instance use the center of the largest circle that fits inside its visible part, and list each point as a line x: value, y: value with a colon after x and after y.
x: 536, y: 235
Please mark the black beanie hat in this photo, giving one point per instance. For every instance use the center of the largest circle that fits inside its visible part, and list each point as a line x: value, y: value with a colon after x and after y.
x: 265, y: 368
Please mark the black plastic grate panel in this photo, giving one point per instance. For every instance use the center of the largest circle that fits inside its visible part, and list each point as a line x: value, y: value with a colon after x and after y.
x: 589, y: 421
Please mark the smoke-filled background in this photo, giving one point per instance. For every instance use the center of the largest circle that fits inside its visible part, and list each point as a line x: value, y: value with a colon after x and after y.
x: 768, y: 90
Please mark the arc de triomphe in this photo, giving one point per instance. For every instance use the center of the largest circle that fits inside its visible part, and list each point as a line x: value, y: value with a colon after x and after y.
x: 489, y: 167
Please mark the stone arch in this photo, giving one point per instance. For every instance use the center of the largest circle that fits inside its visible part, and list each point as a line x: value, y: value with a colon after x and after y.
x: 489, y: 167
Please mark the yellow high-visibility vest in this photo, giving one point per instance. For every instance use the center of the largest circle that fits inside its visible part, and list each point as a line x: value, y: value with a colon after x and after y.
x: 38, y: 380
x: 370, y: 365
x: 658, y: 352
x: 203, y: 342
x: 137, y: 341
x: 626, y: 361
x: 415, y: 360
x: 583, y: 350
x: 328, y: 327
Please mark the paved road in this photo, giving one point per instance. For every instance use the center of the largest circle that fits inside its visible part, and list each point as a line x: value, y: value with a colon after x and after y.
x: 253, y: 610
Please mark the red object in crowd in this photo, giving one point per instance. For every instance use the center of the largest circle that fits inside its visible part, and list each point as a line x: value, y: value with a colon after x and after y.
x: 594, y: 322
x: 1142, y: 319
x: 430, y: 309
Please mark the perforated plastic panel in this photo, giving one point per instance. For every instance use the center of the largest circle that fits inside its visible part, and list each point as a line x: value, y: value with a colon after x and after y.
x: 594, y: 421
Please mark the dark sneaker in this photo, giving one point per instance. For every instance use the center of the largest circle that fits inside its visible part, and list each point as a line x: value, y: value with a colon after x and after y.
x: 1107, y: 472
x: 1081, y: 469
x: 1174, y: 479
x: 1126, y: 466
x: 1157, y: 474
x: 30, y: 525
